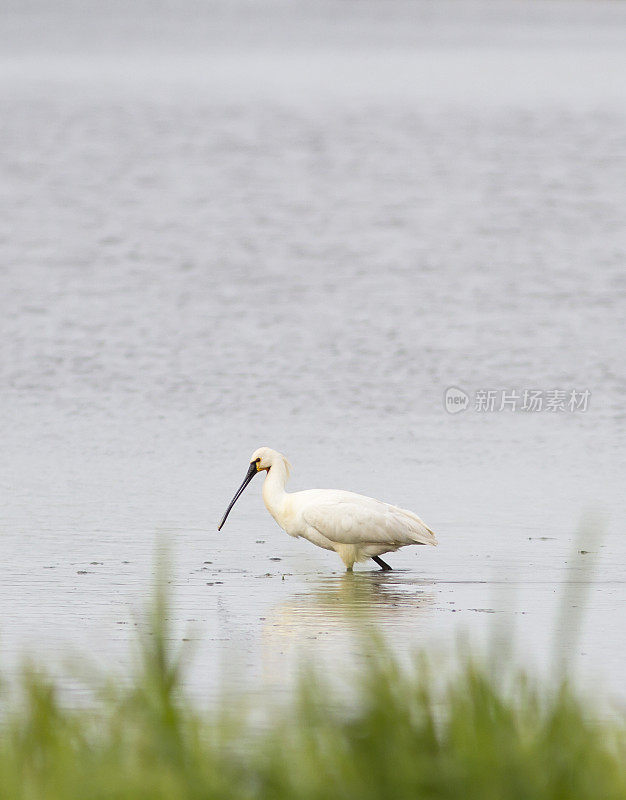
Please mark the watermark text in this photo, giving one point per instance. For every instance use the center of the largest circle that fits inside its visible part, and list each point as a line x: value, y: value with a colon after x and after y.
x: 528, y: 401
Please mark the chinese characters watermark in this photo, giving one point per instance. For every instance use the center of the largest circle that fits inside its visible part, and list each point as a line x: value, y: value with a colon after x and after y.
x: 486, y: 401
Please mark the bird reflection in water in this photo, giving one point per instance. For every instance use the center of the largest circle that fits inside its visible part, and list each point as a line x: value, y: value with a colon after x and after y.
x: 326, y: 622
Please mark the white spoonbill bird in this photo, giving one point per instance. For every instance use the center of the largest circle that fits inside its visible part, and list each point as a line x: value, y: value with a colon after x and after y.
x: 354, y: 526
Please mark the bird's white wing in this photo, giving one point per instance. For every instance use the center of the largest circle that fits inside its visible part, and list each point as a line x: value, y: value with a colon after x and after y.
x: 360, y: 519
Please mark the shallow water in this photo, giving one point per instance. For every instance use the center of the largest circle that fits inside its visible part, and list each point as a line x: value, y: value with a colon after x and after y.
x: 228, y: 228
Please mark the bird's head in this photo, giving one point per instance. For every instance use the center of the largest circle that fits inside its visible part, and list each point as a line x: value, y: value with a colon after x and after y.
x: 262, y: 459
x: 265, y: 457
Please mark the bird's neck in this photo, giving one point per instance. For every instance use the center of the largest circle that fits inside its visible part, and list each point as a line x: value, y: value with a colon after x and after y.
x: 274, y: 493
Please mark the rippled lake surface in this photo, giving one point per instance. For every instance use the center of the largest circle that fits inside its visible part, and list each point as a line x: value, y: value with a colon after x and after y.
x: 297, y: 225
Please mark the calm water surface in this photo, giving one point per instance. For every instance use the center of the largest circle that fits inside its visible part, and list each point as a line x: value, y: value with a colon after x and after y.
x: 230, y: 228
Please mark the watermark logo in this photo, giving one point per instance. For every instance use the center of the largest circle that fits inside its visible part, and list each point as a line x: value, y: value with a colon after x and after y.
x: 455, y: 400
x: 528, y: 401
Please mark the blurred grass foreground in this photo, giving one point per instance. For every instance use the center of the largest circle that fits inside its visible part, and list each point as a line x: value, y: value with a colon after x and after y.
x: 489, y: 732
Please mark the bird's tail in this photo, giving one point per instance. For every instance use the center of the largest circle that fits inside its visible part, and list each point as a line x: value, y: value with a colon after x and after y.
x: 433, y: 536
x: 422, y: 534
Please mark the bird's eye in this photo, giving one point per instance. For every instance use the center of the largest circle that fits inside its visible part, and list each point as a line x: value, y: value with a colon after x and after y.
x: 257, y: 460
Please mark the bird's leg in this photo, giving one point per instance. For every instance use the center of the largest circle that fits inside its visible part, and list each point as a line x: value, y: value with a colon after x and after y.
x: 382, y: 564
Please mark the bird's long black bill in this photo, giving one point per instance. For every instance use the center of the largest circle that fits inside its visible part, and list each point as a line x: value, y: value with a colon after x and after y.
x: 252, y: 470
